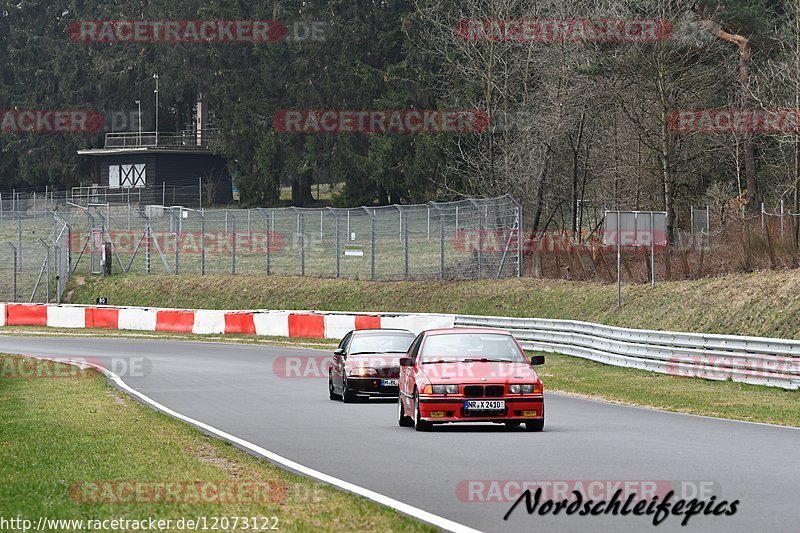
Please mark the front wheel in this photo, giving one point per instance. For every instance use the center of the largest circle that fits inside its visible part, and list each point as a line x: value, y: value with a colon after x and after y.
x: 419, y: 423
x: 331, y: 393
x: 402, y: 419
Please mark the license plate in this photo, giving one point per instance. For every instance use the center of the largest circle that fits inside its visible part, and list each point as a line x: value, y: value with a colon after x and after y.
x: 484, y: 405
x: 389, y: 382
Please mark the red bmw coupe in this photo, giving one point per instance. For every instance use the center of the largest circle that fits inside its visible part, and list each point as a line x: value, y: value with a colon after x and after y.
x: 469, y: 375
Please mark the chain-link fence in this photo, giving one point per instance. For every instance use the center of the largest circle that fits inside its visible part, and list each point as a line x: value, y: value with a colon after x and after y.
x: 475, y: 238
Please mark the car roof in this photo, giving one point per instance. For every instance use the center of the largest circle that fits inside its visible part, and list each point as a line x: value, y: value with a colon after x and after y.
x: 382, y: 331
x: 449, y: 331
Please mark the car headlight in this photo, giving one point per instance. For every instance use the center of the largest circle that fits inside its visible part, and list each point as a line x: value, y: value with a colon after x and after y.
x: 445, y: 389
x: 527, y: 388
x: 363, y: 372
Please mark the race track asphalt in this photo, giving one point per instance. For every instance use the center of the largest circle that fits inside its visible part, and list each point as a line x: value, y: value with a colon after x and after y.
x: 236, y: 389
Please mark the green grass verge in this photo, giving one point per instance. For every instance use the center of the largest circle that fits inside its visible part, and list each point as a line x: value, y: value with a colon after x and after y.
x: 761, y: 303
x: 60, y: 431
x: 723, y: 399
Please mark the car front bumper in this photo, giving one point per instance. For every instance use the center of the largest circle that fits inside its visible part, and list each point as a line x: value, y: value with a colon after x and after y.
x: 371, y: 386
x: 518, y: 409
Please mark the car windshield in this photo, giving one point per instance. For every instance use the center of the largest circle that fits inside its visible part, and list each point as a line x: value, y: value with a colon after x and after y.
x: 471, y: 347
x: 383, y: 343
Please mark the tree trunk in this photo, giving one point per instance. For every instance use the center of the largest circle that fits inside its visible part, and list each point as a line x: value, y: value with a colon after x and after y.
x: 744, y: 81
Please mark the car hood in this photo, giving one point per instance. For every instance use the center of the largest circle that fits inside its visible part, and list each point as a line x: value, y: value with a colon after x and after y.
x: 387, y: 365
x: 479, y: 372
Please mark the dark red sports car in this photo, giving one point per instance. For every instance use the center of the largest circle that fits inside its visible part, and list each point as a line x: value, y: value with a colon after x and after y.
x: 366, y: 364
x: 469, y: 375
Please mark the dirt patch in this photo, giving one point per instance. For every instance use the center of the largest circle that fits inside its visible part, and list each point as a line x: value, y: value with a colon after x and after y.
x: 207, y: 454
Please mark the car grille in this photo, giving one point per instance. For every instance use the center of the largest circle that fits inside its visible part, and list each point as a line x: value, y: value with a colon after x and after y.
x: 479, y: 391
x: 473, y: 391
x: 494, y: 391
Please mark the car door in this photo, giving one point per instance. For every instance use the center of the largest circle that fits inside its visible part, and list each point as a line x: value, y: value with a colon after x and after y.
x: 337, y: 366
x: 407, y: 374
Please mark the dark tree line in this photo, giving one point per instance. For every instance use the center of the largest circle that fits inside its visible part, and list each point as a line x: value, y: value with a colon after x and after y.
x: 589, y: 121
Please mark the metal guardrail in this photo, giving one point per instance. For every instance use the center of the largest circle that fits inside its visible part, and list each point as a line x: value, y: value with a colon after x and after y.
x: 753, y: 360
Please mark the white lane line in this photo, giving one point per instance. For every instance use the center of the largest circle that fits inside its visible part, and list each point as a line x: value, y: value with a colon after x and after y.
x: 399, y: 506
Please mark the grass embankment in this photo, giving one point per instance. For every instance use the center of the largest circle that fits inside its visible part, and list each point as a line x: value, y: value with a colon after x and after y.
x: 61, y: 435
x: 761, y: 303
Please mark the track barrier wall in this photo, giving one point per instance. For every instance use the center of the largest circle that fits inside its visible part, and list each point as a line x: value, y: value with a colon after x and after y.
x: 754, y: 360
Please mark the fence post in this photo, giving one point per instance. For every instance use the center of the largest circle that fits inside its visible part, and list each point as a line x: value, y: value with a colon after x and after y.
x: 762, y: 219
x: 441, y: 244
x: 338, y: 243
x: 233, y: 244
x: 405, y: 243
x: 302, y: 222
x: 429, y: 221
x: 270, y: 225
x: 47, y: 267
x: 372, y: 245
x: 13, y: 273
x: 147, y: 245
x: 202, y: 242
x: 781, y: 218
x: 57, y: 259
x: 481, y: 224
x: 19, y: 241
x: 178, y: 225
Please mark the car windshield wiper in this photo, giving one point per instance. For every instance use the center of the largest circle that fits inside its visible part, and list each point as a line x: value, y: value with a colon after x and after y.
x: 365, y: 353
x: 486, y: 360
x: 436, y: 362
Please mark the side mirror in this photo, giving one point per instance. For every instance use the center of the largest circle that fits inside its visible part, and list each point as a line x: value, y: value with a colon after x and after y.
x: 537, y: 360
x: 339, y: 351
x: 406, y: 361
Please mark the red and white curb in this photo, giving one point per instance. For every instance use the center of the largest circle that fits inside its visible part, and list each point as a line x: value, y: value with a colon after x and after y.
x: 297, y: 324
